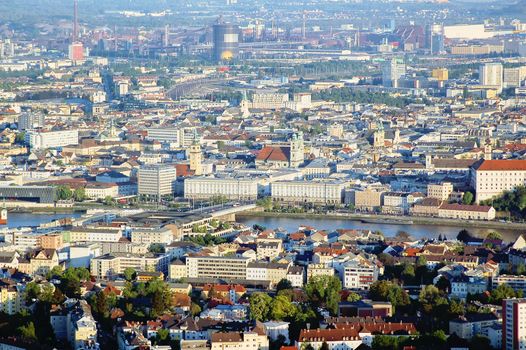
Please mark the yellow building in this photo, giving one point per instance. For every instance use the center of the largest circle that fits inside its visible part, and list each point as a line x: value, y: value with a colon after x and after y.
x: 441, y: 74
x: 40, y: 262
x: 11, y: 297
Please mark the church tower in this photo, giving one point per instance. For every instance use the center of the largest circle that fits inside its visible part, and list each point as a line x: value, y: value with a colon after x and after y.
x: 297, y: 150
x: 244, y: 105
x: 196, y: 158
x: 379, y: 137
x: 488, y: 152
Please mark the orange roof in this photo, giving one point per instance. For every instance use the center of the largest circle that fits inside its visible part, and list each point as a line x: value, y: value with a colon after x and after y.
x: 307, y: 335
x: 411, y: 251
x: 501, y: 165
x: 464, y: 207
x: 271, y: 153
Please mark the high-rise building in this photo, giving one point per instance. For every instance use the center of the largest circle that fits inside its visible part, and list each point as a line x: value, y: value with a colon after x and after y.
x: 490, y: 74
x: 513, y: 321
x: 156, y: 180
x: 514, y: 77
x: 226, y: 41
x: 392, y: 71
x: 27, y: 121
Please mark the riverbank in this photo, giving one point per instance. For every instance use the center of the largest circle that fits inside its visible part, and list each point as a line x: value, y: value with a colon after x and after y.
x: 390, y: 219
x: 42, y: 210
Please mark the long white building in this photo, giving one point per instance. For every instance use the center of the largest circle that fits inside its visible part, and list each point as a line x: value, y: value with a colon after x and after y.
x: 490, y: 178
x: 51, y: 139
x: 324, y: 191
x: 231, y: 187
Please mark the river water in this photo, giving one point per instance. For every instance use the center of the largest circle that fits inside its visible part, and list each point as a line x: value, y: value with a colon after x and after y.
x: 15, y: 219
x: 415, y: 230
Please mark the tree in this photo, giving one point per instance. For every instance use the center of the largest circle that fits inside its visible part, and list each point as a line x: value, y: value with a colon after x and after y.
x: 384, y: 342
x: 480, y: 342
x: 503, y: 291
x: 386, y: 259
x: 494, y: 235
x: 79, y: 194
x: 129, y: 274
x: 195, y: 309
x: 324, y: 291
x: 158, y: 303
x: 32, y: 292
x: 27, y: 332
x: 163, y: 336
x: 20, y: 137
x: 353, y: 297
x: 456, y: 308
x: 389, y: 291
x: 281, y: 308
x: 156, y: 248
x: 64, y: 192
x: 408, y: 274
x: 283, y: 284
x: 259, y: 306
x: 443, y: 284
x: 464, y: 236
x: 108, y: 200
x: 421, y: 261
x: 520, y: 269
x: 101, y: 304
x: 467, y: 198
x: 430, y: 297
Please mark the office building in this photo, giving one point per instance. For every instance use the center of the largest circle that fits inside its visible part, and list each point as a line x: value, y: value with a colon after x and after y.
x: 27, y: 121
x: 319, y: 192
x: 51, y: 139
x: 159, y: 236
x: 392, y: 71
x: 226, y: 41
x: 156, y: 180
x: 513, y: 321
x: 514, y: 77
x: 218, y: 267
x: 114, y: 264
x: 231, y: 188
x: 490, y: 74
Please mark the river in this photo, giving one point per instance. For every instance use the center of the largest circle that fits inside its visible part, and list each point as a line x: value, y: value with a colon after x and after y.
x: 415, y: 230
x: 15, y: 219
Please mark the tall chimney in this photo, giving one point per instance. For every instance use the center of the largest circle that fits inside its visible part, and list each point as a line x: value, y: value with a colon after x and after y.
x: 75, y: 22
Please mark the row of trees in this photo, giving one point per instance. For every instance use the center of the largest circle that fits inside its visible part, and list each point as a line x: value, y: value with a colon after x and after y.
x: 513, y: 202
x: 358, y: 96
x: 66, y: 193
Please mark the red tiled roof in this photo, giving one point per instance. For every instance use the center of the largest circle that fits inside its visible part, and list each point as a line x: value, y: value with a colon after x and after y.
x: 464, y: 207
x: 308, y: 335
x: 271, y: 153
x: 501, y: 165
